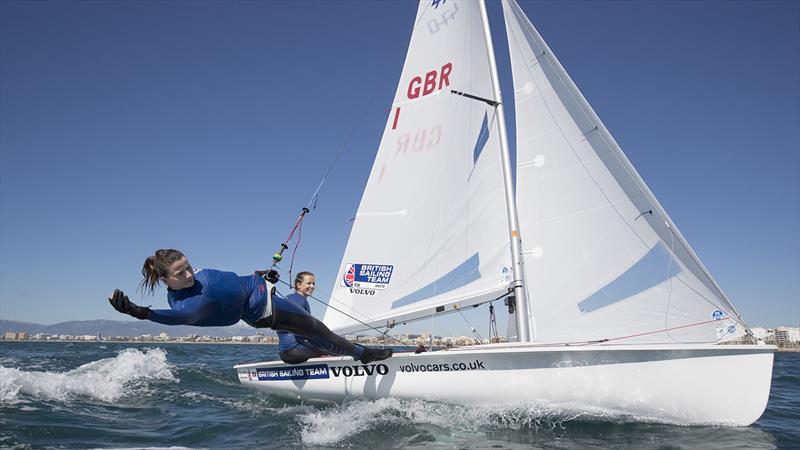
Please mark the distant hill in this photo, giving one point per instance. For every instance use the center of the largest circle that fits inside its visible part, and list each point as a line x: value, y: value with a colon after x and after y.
x: 128, y: 328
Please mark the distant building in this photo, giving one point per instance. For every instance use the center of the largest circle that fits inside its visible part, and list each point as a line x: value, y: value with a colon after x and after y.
x: 787, y: 335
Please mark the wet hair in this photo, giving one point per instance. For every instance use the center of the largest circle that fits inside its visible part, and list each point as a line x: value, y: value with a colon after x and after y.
x: 299, y: 278
x: 156, y: 267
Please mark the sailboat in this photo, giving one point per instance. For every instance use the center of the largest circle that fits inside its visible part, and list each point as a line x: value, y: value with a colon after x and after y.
x: 610, y: 308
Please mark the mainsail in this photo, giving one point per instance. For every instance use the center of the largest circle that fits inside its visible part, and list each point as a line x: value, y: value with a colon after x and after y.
x: 602, y: 258
x: 431, y: 232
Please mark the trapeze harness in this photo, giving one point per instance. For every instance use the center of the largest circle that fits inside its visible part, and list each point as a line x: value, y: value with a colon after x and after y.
x: 223, y: 298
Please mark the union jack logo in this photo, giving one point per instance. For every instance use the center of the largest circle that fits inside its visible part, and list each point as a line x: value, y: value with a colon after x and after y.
x: 350, y: 275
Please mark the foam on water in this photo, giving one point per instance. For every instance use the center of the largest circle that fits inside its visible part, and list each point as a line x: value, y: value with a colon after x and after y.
x: 105, y: 379
x: 332, y: 425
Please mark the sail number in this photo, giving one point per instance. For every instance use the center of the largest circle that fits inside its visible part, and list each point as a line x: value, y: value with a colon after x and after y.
x: 424, y: 139
x: 418, y: 87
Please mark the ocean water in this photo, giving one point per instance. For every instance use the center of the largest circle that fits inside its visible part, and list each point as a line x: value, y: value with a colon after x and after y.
x: 114, y: 395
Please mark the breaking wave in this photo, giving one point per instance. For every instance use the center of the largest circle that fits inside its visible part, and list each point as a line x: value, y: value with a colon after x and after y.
x: 341, y: 423
x: 105, y: 379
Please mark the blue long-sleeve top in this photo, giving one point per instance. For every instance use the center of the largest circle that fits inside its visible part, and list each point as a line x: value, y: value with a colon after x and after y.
x: 216, y: 299
x: 286, y: 339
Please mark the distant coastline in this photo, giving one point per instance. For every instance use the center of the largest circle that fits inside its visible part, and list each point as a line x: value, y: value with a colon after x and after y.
x: 787, y: 339
x: 229, y: 342
x: 130, y: 341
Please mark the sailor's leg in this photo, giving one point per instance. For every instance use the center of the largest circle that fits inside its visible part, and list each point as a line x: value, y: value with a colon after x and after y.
x: 299, y: 354
x: 298, y: 321
x: 290, y: 317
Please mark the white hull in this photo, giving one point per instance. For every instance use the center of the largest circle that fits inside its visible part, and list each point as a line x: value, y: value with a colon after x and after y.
x: 686, y: 384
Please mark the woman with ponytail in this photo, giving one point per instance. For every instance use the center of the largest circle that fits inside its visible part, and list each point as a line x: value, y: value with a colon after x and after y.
x: 212, y: 298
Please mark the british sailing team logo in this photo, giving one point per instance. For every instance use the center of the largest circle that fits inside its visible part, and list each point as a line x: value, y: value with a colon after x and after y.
x: 350, y: 275
x: 365, y: 279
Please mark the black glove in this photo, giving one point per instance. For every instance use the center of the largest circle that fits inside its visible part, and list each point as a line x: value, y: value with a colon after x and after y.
x: 272, y: 276
x: 121, y: 303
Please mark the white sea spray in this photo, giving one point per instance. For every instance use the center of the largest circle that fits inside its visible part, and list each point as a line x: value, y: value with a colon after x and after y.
x: 333, y: 425
x: 105, y: 379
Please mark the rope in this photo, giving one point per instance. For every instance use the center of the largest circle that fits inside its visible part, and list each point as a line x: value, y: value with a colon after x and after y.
x: 296, y: 225
x: 667, y: 330
x: 404, y: 322
x: 296, y: 245
x: 278, y: 256
x: 603, y: 341
x: 383, y: 333
x: 312, y: 202
x: 493, y: 334
x: 454, y: 310
x: 474, y: 330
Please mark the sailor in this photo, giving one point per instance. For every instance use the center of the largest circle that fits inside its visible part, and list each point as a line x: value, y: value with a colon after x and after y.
x: 212, y: 298
x: 294, y: 348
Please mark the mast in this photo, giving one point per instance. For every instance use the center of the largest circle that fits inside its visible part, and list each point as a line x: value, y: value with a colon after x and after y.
x: 518, y: 284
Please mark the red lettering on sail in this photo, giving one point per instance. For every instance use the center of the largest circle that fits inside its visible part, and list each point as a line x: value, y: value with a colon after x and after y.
x: 446, y: 69
x: 413, y: 91
x: 396, y: 116
x: 430, y: 82
x: 434, y: 80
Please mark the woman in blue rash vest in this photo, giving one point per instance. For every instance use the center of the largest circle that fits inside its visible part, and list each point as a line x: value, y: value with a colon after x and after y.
x: 295, y: 348
x: 212, y: 298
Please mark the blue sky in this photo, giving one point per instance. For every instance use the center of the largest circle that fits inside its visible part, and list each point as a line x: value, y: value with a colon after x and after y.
x: 206, y: 126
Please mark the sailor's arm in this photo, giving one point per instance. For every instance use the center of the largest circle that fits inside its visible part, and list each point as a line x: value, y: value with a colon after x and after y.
x: 190, y: 312
x: 172, y: 317
x: 121, y: 303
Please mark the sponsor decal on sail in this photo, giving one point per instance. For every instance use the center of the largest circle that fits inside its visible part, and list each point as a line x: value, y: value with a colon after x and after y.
x: 365, y: 279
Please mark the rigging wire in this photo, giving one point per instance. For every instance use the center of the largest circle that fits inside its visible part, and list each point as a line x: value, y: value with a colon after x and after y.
x: 456, y: 309
x: 474, y: 330
x: 312, y: 202
x: 386, y: 332
x: 296, y: 245
x: 383, y: 333
x: 493, y: 334
x: 333, y: 299
x: 443, y: 313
